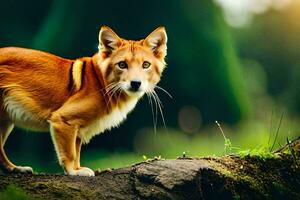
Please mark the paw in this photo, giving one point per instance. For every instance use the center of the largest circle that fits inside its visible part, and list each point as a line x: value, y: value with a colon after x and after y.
x: 83, y: 171
x: 22, y: 170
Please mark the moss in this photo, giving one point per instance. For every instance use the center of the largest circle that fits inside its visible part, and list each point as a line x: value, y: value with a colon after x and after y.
x: 260, y: 152
x: 58, y: 194
x: 236, y: 197
x: 13, y: 192
x: 279, y: 189
x: 248, y: 173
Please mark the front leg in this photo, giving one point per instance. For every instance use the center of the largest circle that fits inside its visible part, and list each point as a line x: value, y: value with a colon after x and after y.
x: 77, y: 159
x: 78, y: 150
x: 64, y: 138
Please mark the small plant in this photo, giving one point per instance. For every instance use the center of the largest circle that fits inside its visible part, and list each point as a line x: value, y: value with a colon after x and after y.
x: 149, y: 159
x: 227, y: 143
x: 260, y: 151
x: 184, y: 154
x: 277, y: 132
x: 145, y: 157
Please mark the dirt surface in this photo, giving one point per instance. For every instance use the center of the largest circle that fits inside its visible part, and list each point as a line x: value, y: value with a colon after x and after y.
x: 228, y: 177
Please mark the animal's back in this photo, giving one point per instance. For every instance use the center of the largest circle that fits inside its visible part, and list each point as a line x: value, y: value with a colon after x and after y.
x: 33, y: 83
x: 9, y: 55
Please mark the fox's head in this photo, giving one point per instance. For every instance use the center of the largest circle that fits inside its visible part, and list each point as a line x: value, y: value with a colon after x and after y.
x: 134, y: 67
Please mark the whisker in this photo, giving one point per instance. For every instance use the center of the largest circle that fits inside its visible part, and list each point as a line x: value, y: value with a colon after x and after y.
x: 120, y: 92
x: 152, y: 111
x: 156, y: 109
x: 108, y: 86
x: 158, y: 99
x: 111, y: 87
x: 113, y: 92
x: 164, y: 90
x: 160, y: 106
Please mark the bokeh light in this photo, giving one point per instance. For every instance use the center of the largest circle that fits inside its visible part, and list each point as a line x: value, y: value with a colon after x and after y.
x: 239, y: 13
x: 189, y: 119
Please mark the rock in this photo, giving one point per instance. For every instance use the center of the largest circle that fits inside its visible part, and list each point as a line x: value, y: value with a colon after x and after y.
x: 227, y: 177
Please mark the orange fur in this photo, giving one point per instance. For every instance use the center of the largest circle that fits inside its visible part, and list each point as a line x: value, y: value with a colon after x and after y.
x: 75, y: 99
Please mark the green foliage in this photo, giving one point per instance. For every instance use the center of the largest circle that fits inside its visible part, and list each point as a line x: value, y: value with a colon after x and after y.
x: 204, y: 71
x: 13, y: 192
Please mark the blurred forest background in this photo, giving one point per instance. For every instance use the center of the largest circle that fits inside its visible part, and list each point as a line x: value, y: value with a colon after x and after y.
x: 236, y: 62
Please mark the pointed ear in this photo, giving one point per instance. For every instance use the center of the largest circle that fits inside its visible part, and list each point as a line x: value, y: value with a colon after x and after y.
x: 109, y: 41
x: 157, y: 42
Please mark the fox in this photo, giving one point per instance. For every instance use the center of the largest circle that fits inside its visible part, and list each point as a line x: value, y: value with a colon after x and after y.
x: 76, y: 99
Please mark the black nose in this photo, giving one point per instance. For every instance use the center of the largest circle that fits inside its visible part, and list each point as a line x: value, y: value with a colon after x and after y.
x: 135, y: 85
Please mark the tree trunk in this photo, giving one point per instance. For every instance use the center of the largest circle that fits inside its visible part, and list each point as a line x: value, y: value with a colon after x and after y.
x: 227, y: 177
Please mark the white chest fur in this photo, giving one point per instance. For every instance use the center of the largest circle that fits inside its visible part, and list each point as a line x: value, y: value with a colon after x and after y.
x: 112, y: 119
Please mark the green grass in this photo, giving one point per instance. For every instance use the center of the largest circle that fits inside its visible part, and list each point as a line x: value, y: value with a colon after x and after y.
x: 247, y: 139
x: 261, y: 152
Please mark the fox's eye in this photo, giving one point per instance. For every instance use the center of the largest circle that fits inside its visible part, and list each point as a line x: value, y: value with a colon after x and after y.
x: 146, y: 65
x: 122, y: 65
